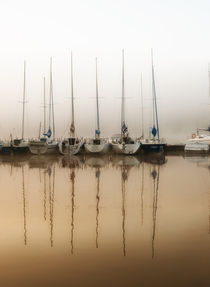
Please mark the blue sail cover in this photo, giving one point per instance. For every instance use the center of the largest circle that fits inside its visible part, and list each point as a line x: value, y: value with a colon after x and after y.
x: 124, y: 128
x: 98, y: 132
x: 49, y: 133
x: 154, y: 131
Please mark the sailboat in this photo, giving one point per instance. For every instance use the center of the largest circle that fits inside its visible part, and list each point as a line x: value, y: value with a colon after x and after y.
x: 97, y: 145
x: 124, y: 144
x: 39, y: 146
x: 154, y: 143
x: 72, y: 145
x: 199, y: 142
x: 46, y: 145
x: 18, y: 145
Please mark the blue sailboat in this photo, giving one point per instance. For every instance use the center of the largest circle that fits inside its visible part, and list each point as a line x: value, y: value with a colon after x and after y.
x: 154, y: 143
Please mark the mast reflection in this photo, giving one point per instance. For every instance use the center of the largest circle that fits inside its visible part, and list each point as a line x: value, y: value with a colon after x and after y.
x: 124, y: 177
x: 155, y: 175
x: 24, y: 208
x: 45, y: 197
x: 72, y: 178
x: 51, y: 201
x: 142, y: 194
x: 97, y: 203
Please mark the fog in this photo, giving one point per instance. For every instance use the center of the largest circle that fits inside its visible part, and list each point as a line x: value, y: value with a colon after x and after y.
x: 36, y: 30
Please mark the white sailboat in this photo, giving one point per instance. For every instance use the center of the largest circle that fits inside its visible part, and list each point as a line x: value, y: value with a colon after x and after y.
x: 46, y: 145
x: 18, y: 145
x: 124, y: 144
x: 39, y: 146
x: 200, y: 141
x: 97, y: 145
x: 153, y: 144
x: 71, y: 145
x: 196, y: 147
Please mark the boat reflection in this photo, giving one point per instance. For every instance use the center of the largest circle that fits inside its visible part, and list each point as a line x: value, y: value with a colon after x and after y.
x: 145, y: 171
x: 155, y: 176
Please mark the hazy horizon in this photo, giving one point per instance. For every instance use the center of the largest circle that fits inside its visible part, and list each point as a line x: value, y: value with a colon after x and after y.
x: 178, y: 33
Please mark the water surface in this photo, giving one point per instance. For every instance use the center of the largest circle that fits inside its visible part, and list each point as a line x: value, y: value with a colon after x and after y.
x: 109, y: 221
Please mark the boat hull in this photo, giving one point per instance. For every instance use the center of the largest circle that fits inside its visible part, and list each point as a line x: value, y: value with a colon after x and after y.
x: 15, y: 149
x: 127, y: 149
x: 38, y: 147
x: 153, y: 147
x: 66, y: 149
x: 196, y: 147
x: 97, y: 148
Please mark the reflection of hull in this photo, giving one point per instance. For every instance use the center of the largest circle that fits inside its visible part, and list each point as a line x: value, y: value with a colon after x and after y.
x: 155, y: 158
x: 72, y: 162
x: 131, y: 148
x: 128, y: 161
x: 95, y: 162
x: 196, y: 147
x: 67, y: 149
x: 153, y: 147
x: 97, y: 148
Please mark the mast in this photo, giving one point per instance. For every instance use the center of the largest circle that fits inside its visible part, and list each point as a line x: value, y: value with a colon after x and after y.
x: 44, y: 107
x: 209, y: 88
x: 142, y: 109
x: 123, y: 93
x: 72, y: 127
x: 97, y: 105
x: 52, y: 104
x: 209, y: 77
x: 50, y: 99
x: 24, y: 100
x: 155, y: 112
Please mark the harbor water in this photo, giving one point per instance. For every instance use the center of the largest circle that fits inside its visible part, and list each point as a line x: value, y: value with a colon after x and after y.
x: 104, y: 221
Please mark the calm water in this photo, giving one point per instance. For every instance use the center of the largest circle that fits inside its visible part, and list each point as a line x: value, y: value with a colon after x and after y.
x: 117, y: 221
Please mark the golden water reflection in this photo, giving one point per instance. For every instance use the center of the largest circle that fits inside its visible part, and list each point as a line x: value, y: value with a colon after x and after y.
x: 109, y: 221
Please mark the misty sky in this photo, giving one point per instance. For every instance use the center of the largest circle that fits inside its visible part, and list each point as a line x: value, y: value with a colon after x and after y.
x: 178, y: 32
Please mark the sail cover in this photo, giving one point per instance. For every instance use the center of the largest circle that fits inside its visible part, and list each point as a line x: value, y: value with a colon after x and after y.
x: 98, y: 132
x: 49, y: 133
x: 72, y: 128
x: 124, y: 128
x: 154, y: 131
